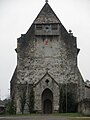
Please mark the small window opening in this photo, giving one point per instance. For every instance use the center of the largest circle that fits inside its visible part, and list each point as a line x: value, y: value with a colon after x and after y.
x: 47, y: 81
x: 54, y: 27
x: 39, y: 27
x: 47, y: 28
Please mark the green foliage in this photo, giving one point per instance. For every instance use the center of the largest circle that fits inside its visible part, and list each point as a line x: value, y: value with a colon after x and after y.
x: 10, y: 107
x: 67, y: 102
x: 2, y: 112
x: 61, y: 100
x: 30, y: 102
x: 68, y: 114
x: 23, y: 99
x: 79, y: 118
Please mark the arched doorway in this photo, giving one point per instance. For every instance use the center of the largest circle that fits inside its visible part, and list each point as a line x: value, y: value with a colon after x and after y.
x: 47, y: 101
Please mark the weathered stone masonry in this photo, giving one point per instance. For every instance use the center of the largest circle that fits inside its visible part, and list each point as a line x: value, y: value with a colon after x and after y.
x: 47, y: 58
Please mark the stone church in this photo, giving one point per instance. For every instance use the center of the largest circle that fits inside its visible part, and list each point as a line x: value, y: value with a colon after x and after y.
x: 47, y: 62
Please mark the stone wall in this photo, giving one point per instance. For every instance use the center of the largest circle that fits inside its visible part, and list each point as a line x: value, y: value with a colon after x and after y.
x: 56, y: 54
x: 84, y: 107
x: 47, y: 52
x: 87, y: 91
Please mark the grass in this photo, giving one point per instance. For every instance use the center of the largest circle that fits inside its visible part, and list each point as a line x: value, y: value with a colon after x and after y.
x: 68, y: 114
x: 79, y: 118
x: 73, y: 116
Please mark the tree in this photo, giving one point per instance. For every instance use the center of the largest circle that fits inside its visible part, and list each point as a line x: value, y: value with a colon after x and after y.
x: 67, y: 100
x: 30, y: 102
x: 23, y: 99
x: 62, y: 103
x: 10, y: 107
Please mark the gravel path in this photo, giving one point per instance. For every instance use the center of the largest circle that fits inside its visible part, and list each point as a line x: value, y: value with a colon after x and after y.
x: 42, y: 117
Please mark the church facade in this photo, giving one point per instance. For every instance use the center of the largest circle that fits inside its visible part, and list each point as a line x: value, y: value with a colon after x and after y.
x: 47, y: 63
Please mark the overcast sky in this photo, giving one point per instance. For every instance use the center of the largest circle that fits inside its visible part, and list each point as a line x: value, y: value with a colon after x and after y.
x: 16, y: 16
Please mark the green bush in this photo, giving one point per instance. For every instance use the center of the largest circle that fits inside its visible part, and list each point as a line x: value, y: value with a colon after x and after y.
x: 67, y: 102
x: 10, y: 107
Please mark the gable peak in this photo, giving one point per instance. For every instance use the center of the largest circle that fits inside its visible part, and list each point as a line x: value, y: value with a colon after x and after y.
x: 46, y: 15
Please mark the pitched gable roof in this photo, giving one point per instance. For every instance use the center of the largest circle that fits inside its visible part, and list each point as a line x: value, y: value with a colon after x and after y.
x: 46, y: 15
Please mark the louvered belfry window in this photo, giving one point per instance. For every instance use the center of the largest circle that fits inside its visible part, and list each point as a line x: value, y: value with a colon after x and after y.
x: 39, y: 27
x: 54, y: 27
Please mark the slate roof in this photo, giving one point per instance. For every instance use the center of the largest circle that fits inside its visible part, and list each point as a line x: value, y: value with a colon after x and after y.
x: 46, y: 16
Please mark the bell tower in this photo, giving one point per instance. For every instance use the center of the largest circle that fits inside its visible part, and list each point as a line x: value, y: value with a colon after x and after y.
x: 47, y: 62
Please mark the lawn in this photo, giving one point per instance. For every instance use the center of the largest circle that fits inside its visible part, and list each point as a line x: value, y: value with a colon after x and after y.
x: 68, y: 114
x: 82, y: 118
x: 72, y: 116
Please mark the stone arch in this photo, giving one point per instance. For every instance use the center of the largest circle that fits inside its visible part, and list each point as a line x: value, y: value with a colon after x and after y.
x: 47, y: 101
